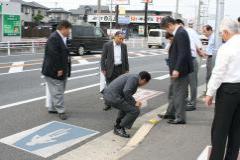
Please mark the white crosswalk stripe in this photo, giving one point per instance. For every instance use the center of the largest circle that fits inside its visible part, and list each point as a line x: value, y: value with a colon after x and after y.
x: 16, y: 67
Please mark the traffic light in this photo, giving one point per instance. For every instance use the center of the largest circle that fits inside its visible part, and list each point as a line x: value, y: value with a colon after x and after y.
x: 116, y: 13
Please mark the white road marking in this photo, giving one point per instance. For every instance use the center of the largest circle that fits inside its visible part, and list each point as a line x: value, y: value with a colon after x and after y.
x: 98, y: 55
x: 84, y: 76
x: 205, y: 153
x: 162, y: 77
x: 43, y: 97
x: 140, y: 55
x: 203, y: 66
x: 84, y: 70
x: 16, y: 67
x: 158, y: 72
x: 89, y: 63
x: 81, y: 60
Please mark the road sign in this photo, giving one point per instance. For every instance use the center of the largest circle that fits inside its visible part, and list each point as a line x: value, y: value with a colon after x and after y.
x: 0, y: 8
x: 123, y: 20
x: 11, y: 25
x: 49, y: 138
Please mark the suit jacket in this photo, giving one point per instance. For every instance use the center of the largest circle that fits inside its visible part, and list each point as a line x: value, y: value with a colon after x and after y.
x: 122, y: 89
x: 180, y: 57
x: 107, y: 60
x: 56, y: 58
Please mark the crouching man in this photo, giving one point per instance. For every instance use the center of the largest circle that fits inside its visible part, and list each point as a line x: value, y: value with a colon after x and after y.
x: 119, y: 95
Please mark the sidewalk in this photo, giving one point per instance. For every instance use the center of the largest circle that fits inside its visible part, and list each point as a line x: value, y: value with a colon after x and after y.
x: 181, y: 142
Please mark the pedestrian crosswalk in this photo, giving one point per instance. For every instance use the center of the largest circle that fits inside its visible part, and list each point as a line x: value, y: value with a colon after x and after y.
x: 26, y: 66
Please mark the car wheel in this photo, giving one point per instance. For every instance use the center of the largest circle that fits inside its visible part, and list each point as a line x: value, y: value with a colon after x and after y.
x: 162, y: 46
x: 149, y: 46
x: 81, y: 50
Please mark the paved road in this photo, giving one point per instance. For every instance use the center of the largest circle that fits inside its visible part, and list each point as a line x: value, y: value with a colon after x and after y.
x: 22, y: 96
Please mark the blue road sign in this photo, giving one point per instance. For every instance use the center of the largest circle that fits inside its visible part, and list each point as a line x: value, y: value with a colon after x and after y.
x: 123, y: 20
x: 48, y: 139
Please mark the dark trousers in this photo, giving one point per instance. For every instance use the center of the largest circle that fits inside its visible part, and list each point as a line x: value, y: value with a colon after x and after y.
x: 177, y: 98
x: 117, y: 71
x: 226, y: 123
x: 193, y: 83
x: 127, y: 115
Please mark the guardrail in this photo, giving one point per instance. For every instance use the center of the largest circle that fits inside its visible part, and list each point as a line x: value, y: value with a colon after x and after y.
x: 15, y: 48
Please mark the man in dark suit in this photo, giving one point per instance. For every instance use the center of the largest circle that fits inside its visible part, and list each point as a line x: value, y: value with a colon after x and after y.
x: 57, y: 67
x: 119, y: 94
x: 180, y: 65
x: 114, y: 61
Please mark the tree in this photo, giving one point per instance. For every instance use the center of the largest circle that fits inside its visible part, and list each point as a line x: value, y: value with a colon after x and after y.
x: 38, y: 18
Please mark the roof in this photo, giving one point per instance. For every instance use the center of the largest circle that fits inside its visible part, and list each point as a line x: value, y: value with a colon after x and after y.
x: 81, y: 9
x: 30, y: 4
x: 37, y: 5
x: 57, y: 10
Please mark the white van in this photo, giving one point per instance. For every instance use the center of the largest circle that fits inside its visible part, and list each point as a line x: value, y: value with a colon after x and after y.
x: 157, y: 37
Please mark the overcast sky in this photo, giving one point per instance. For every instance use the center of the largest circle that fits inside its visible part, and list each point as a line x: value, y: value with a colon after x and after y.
x: 187, y: 7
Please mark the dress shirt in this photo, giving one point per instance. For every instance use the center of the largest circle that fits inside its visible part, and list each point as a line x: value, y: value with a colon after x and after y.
x: 175, y: 30
x: 63, y: 38
x: 210, y: 50
x: 194, y: 41
x: 226, y: 69
x: 117, y: 54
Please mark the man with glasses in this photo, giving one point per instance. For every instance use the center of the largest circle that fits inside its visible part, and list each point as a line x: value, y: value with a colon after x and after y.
x: 114, y: 61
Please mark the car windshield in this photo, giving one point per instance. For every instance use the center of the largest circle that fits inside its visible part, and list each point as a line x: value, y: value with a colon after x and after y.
x: 154, y: 34
x: 82, y: 31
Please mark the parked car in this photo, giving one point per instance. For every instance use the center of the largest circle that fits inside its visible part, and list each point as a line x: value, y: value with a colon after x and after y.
x: 157, y: 37
x: 86, y: 38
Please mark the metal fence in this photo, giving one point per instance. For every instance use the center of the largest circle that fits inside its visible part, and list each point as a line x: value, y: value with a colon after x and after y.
x: 19, y: 48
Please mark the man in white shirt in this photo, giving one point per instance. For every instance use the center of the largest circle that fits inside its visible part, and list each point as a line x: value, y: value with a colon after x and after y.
x: 225, y: 81
x: 114, y: 60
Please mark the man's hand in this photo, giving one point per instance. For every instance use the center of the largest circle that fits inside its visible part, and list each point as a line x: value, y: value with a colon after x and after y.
x: 175, y: 74
x: 60, y: 73
x: 209, y: 100
x: 138, y: 104
x: 104, y: 72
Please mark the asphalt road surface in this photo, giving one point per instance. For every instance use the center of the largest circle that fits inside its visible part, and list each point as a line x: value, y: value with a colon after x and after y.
x: 23, y: 105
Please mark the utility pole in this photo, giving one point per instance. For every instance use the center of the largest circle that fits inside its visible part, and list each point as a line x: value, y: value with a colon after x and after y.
x: 219, y: 17
x: 111, y: 14
x: 98, y: 13
x: 146, y: 19
x: 199, y: 15
x: 177, y: 8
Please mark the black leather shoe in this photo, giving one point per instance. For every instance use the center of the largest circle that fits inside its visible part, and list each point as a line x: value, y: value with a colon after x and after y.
x: 63, y: 116
x: 176, y: 121
x: 121, y: 132
x: 107, y: 107
x: 166, y: 116
x: 52, y: 112
x: 192, y: 108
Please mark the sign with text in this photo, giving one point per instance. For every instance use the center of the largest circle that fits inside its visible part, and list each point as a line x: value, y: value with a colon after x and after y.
x: 133, y: 19
x: 11, y: 25
x: 0, y: 8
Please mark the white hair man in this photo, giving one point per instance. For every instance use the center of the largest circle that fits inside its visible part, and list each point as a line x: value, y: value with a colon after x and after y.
x: 225, y: 81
